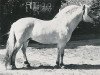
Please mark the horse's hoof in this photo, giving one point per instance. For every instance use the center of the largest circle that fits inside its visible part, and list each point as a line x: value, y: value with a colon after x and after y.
x: 57, y: 63
x: 10, y: 67
x: 57, y: 66
x: 27, y: 66
x: 14, y: 67
x: 62, y: 65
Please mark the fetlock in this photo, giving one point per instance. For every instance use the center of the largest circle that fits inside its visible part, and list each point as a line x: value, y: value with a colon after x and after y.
x: 26, y: 64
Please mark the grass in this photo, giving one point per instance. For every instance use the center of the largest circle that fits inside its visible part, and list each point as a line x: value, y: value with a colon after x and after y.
x: 81, y: 58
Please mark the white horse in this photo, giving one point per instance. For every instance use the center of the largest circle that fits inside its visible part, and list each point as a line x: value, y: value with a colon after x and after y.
x: 56, y: 31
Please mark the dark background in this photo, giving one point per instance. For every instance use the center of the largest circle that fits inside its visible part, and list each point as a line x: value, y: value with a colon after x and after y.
x: 12, y: 10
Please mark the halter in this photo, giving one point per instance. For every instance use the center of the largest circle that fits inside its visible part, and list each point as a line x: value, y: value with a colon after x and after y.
x: 83, y: 11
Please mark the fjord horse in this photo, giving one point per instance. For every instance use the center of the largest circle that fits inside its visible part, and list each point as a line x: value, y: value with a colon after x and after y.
x: 56, y: 31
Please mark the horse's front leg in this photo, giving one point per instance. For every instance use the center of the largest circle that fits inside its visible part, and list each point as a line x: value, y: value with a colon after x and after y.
x: 13, y: 56
x: 60, y: 55
x: 58, y: 58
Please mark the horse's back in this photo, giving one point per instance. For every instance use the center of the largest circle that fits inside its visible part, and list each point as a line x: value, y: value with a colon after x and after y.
x: 23, y: 27
x: 23, y: 23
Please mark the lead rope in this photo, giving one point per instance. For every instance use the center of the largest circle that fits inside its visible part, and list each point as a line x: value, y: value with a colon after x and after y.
x: 83, y: 10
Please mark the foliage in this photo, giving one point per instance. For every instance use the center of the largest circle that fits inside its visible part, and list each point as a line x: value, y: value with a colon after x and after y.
x: 11, y: 10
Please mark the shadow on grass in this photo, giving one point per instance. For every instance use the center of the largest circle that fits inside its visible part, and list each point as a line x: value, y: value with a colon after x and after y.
x: 71, y: 66
x: 83, y: 66
x: 41, y: 46
x: 69, y: 45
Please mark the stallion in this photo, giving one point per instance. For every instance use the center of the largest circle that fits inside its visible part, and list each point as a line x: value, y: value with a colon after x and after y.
x: 56, y: 31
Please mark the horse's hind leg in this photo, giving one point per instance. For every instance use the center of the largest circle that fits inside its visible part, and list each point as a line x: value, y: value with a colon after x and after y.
x: 13, y: 56
x: 26, y: 63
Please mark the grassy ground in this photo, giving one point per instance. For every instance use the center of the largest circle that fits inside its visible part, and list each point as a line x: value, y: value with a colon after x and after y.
x: 81, y: 58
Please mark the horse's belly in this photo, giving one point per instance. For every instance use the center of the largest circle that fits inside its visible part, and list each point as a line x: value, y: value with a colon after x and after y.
x: 45, y: 38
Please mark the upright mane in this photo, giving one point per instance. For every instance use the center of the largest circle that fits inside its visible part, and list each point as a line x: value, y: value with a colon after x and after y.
x: 68, y: 10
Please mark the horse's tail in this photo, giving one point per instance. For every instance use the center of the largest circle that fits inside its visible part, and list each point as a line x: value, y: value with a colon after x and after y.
x: 10, y: 46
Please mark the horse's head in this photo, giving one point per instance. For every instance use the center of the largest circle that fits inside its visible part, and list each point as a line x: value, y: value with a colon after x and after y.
x: 86, y: 16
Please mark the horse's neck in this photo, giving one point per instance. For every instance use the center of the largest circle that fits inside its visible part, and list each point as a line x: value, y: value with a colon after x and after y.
x: 65, y: 10
x: 74, y: 21
x: 69, y: 20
